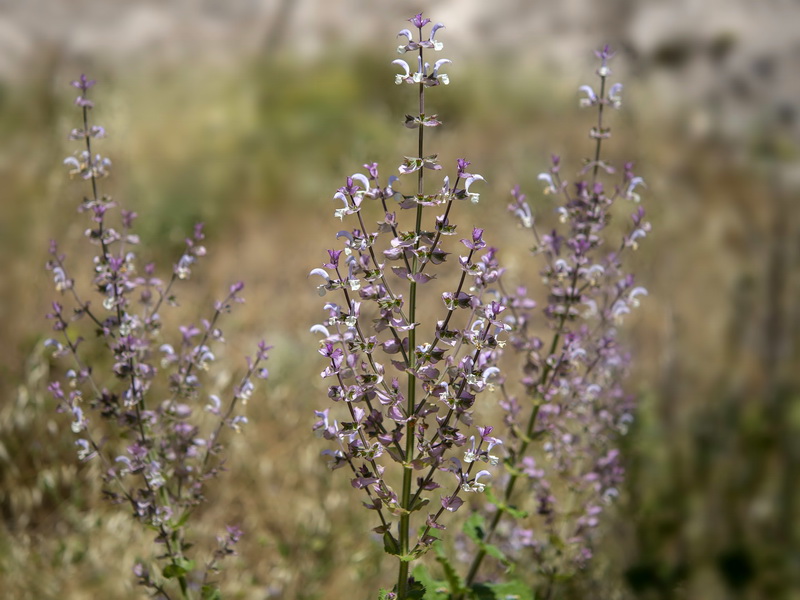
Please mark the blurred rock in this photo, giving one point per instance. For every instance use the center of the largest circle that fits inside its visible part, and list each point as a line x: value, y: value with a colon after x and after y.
x: 732, y: 60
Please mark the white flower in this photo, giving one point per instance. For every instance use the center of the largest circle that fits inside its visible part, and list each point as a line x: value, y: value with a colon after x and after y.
x: 237, y: 422
x: 79, y: 424
x: 548, y: 178
x: 204, y: 356
x: 362, y: 179
x: 436, y: 66
x: 614, y: 95
x: 473, y: 197
x: 154, y: 477
x: 523, y: 212
x: 471, y: 455
x: 324, y: 274
x: 85, y: 452
x: 591, y: 97
x: 403, y: 49
x: 320, y: 329
x: 444, y: 395
x: 631, y: 241
x: 215, y: 404
x: 182, y: 269
x: 61, y: 280
x: 633, y: 296
x: 629, y: 193
x: 437, y: 46
x: 475, y: 486
x: 246, y: 391
x: 339, y: 213
x: 401, y: 77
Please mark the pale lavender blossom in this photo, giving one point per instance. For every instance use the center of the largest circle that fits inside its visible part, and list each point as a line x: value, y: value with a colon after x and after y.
x: 404, y: 383
x: 171, y: 452
x: 565, y: 424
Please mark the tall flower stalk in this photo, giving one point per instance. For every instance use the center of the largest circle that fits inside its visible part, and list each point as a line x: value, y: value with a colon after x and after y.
x: 377, y: 335
x: 574, y: 406
x: 140, y: 399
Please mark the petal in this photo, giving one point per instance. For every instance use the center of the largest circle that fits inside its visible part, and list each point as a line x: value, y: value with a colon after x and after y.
x: 321, y: 272
x: 470, y: 181
x: 489, y: 372
x: 589, y: 92
x: 440, y: 63
x: 481, y: 474
x: 404, y: 65
x: 319, y: 329
x: 361, y: 179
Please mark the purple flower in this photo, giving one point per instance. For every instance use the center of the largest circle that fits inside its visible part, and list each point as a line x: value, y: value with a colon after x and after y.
x: 419, y: 22
x: 591, y: 97
x: 615, y: 95
x: 83, y: 83
x: 167, y: 462
x: 604, y: 54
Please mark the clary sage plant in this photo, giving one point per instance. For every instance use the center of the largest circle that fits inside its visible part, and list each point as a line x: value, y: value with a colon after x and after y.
x: 408, y: 364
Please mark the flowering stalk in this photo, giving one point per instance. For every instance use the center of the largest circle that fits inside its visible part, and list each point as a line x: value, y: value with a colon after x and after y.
x: 375, y: 337
x: 157, y: 455
x: 578, y: 407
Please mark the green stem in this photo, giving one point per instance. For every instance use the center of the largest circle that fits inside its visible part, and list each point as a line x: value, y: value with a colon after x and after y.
x: 599, y: 141
x: 476, y: 562
x: 408, y: 472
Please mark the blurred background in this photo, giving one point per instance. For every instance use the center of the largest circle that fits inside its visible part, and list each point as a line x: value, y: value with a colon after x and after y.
x: 248, y: 114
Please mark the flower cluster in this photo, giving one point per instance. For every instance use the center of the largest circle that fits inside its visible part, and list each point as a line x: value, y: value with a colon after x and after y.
x: 406, y: 375
x: 574, y: 407
x: 136, y: 400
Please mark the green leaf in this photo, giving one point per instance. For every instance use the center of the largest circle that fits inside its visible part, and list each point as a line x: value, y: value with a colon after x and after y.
x: 384, y: 594
x: 514, y: 512
x: 209, y: 592
x: 178, y: 568
x: 481, y: 591
x: 489, y: 491
x: 172, y: 570
x: 416, y: 591
x: 474, y: 528
x: 182, y: 521
x: 419, y: 504
x: 390, y: 545
x: 415, y: 554
x: 435, y: 589
x: 556, y: 541
x: 454, y: 580
x: 495, y: 552
x: 511, y: 590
